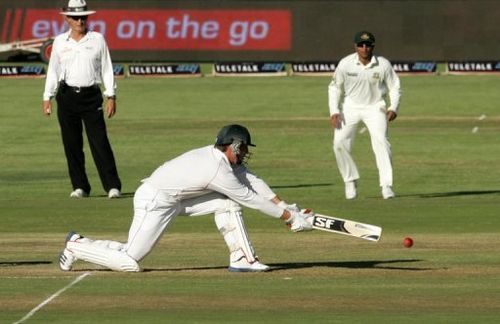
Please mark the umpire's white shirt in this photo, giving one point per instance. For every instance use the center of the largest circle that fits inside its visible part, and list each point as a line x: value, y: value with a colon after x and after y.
x: 204, y: 170
x: 359, y: 86
x: 80, y: 64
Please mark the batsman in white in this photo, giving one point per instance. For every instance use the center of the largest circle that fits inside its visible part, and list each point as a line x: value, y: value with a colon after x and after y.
x: 357, y: 94
x: 211, y: 179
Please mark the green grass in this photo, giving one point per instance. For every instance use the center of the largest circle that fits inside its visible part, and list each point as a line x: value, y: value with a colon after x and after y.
x: 446, y: 178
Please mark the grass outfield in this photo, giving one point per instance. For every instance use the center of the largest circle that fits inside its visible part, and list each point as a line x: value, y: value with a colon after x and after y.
x: 446, y: 152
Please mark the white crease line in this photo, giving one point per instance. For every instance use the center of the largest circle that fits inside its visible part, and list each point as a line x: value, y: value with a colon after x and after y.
x: 48, y: 300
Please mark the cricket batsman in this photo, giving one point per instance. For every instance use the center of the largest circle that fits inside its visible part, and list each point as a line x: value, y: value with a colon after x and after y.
x: 208, y: 180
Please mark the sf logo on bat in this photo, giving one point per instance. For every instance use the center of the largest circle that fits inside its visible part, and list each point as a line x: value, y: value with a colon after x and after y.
x: 328, y: 223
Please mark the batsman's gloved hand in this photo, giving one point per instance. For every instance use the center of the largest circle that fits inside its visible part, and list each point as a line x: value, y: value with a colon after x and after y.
x: 289, y: 207
x: 300, y: 221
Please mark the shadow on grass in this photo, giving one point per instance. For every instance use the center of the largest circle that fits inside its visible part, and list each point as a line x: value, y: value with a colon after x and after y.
x: 309, y: 185
x: 306, y: 185
x: 124, y: 195
x: 453, y: 193
x: 374, y: 264
x: 154, y: 269
x: 22, y: 263
x: 183, y: 269
x: 303, y: 185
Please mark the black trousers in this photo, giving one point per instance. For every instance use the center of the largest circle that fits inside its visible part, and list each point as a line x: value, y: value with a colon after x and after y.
x: 85, y: 106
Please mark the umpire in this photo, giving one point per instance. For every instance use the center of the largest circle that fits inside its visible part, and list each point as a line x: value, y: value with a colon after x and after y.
x: 79, y: 62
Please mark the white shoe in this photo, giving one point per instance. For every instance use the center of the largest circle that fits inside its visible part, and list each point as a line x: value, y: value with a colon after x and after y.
x: 78, y: 193
x: 114, y: 193
x: 66, y: 258
x: 350, y: 189
x: 387, y: 192
x: 242, y: 265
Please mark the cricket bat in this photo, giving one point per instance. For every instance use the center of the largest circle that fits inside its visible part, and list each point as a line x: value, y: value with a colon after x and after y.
x: 346, y: 227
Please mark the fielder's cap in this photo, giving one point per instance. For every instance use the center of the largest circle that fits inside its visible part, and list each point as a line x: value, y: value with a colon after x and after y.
x: 364, y: 37
x: 230, y: 133
x: 76, y: 8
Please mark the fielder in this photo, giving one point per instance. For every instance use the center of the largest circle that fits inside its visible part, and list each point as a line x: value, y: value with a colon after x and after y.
x: 211, y: 179
x: 357, y: 94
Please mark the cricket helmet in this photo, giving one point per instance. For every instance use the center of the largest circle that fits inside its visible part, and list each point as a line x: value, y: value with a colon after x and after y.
x: 231, y: 133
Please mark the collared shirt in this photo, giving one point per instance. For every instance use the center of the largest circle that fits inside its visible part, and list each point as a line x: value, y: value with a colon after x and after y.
x: 358, y: 85
x: 204, y: 170
x: 80, y: 64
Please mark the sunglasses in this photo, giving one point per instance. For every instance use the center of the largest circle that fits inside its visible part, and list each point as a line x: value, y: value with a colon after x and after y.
x: 364, y: 44
x: 76, y: 18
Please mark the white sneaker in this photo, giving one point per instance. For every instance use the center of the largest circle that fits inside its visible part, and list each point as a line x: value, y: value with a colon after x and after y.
x: 78, y: 193
x: 114, y: 193
x: 387, y: 192
x: 66, y: 258
x: 242, y: 265
x: 350, y: 189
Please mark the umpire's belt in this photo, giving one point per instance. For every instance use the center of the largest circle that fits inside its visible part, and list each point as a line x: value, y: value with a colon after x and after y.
x: 63, y: 86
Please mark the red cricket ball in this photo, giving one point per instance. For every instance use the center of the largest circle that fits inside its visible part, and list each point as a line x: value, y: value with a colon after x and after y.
x: 408, y: 242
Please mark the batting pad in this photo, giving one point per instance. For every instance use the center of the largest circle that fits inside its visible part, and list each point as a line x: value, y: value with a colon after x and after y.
x: 94, y: 252
x: 232, y: 227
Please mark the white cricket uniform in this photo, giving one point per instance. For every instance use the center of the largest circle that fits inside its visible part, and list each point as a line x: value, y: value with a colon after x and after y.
x: 80, y: 64
x: 198, y: 182
x: 358, y: 92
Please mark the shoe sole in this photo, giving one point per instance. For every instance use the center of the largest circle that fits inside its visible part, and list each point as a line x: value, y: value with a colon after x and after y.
x: 62, y: 258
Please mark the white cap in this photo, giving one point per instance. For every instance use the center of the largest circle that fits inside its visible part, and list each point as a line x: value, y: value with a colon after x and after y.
x: 76, y: 8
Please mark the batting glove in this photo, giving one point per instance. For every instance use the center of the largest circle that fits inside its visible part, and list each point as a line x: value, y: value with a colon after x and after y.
x: 290, y: 208
x: 300, y: 221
